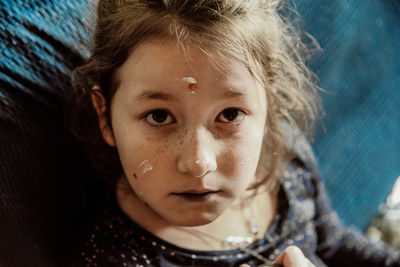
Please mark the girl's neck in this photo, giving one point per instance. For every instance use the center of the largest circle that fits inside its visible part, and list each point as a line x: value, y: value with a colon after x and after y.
x: 233, y: 222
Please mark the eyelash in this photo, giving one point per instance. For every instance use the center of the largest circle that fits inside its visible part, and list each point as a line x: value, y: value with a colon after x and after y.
x: 240, y: 112
x: 153, y: 112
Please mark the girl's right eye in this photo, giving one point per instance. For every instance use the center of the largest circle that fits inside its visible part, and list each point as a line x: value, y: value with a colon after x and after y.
x: 159, y: 117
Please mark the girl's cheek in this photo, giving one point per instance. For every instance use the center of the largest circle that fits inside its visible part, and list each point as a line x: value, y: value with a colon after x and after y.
x: 144, y: 167
x: 242, y: 160
x: 229, y: 162
x: 155, y: 159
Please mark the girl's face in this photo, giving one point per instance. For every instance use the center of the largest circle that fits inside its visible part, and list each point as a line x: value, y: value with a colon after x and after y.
x: 189, y: 134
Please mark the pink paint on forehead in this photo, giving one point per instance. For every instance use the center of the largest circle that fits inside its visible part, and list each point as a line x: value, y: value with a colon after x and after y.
x: 192, y: 83
x: 192, y: 86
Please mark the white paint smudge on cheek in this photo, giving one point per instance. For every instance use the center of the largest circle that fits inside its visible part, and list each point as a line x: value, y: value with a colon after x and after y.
x: 145, y: 166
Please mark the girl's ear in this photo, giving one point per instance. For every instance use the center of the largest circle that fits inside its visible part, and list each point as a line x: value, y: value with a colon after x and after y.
x: 99, y: 104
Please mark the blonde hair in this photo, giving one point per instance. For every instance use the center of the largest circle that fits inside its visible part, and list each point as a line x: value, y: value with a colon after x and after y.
x: 253, y: 32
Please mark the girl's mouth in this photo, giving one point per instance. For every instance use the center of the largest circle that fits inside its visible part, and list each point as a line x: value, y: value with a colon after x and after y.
x: 196, y: 196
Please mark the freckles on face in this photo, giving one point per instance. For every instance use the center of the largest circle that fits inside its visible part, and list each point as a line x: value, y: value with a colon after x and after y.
x: 150, y: 159
x: 241, y: 157
x: 238, y: 163
x: 145, y: 166
x: 191, y: 129
x: 153, y: 157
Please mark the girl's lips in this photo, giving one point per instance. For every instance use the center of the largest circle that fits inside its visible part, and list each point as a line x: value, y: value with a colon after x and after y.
x: 196, y: 195
x: 202, y: 191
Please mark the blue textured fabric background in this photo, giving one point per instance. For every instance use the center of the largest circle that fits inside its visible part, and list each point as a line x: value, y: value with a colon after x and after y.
x: 46, y: 182
x: 359, y: 67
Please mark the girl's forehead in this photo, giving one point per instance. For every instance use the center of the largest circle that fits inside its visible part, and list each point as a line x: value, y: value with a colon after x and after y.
x: 167, y: 59
x: 162, y: 71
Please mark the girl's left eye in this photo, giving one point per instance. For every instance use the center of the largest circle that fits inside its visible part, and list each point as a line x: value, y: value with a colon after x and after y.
x: 231, y: 115
x: 159, y: 117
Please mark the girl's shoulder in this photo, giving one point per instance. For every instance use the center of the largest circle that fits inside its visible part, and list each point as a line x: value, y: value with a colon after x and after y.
x: 298, y: 145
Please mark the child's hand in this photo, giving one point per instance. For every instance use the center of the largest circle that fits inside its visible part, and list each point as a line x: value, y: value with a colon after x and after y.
x: 290, y: 257
x: 293, y: 257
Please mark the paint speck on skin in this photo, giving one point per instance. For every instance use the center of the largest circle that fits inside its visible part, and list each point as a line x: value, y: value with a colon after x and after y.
x: 206, y: 164
x: 145, y: 166
x: 189, y: 80
x: 210, y: 164
x: 192, y: 84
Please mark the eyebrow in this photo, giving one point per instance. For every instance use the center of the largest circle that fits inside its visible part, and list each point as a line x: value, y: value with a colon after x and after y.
x: 155, y: 95
x: 230, y: 92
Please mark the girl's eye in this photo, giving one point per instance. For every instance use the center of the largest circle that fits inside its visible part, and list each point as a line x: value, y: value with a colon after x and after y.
x: 231, y: 115
x: 159, y: 117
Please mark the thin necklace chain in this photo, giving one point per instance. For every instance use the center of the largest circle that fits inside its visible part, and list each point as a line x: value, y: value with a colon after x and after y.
x: 267, y: 262
x: 241, y: 243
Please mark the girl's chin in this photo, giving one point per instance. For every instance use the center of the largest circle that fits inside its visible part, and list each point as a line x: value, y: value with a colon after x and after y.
x: 192, y: 221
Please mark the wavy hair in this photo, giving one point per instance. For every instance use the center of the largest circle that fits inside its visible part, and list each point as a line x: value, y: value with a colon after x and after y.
x: 254, y: 32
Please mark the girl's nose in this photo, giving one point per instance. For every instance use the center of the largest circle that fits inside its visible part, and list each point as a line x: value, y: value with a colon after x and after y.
x: 198, y: 153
